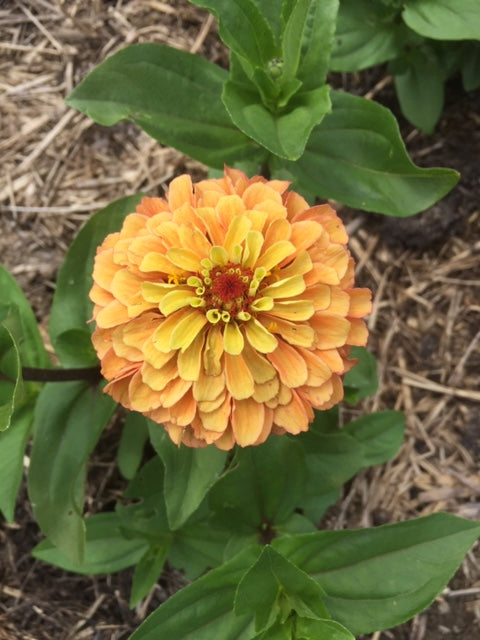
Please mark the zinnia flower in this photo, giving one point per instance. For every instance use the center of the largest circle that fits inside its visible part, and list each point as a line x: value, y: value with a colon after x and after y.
x: 225, y: 312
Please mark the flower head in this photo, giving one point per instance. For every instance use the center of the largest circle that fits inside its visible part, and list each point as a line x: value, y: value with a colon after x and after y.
x: 226, y: 311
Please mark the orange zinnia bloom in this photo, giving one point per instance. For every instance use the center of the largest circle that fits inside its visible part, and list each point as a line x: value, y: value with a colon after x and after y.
x: 226, y: 311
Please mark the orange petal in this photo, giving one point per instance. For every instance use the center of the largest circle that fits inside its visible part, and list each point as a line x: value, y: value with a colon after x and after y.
x: 331, y: 331
x: 180, y: 191
x: 292, y: 416
x: 238, y: 377
x: 290, y: 365
x: 358, y: 334
x: 360, y: 302
x: 247, y: 421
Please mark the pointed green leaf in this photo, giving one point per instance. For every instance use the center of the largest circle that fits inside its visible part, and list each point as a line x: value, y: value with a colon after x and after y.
x: 189, y: 474
x: 273, y: 587
x: 367, y: 33
x: 69, y: 419
x: 263, y: 488
x: 106, y: 549
x: 204, y: 609
x: 284, y: 133
x: 419, y: 83
x: 12, y: 450
x: 380, y: 433
x: 173, y: 95
x: 23, y: 325
x: 132, y: 443
x: 377, y: 578
x: 147, y: 572
x: 243, y: 28
x: 444, y: 19
x: 307, y: 41
x: 71, y: 308
x: 356, y: 156
x: 11, y: 384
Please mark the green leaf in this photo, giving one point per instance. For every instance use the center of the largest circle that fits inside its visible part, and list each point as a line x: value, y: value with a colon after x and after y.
x: 198, y: 545
x: 367, y: 33
x: 377, y: 578
x: 69, y: 419
x: 132, y: 443
x: 307, y: 41
x: 106, y: 549
x: 419, y: 83
x: 243, y: 28
x: 273, y: 587
x: 263, y: 488
x: 173, y: 95
x: 11, y: 387
x: 356, y: 156
x: 71, y: 308
x: 204, y: 609
x: 361, y: 381
x: 444, y: 19
x: 189, y: 474
x: 12, y: 450
x: 145, y: 515
x: 284, y: 133
x: 381, y: 435
x: 22, y: 325
x: 147, y: 572
x: 310, y: 629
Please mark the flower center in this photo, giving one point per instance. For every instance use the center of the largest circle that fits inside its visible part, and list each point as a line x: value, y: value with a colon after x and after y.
x: 228, y: 291
x: 226, y: 287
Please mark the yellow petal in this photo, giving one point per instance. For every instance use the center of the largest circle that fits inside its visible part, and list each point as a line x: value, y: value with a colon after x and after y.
x: 296, y: 310
x: 285, y: 288
x: 296, y: 333
x: 253, y: 246
x: 266, y: 391
x: 185, y: 259
x: 175, y: 300
x: 155, y: 291
x: 218, y: 255
x: 162, y: 334
x: 237, y: 232
x: 238, y: 377
x: 187, y: 330
x: 217, y: 420
x: 190, y: 360
x: 260, y: 368
x: 232, y: 338
x: 274, y: 255
x: 208, y: 388
x: 156, y: 262
x: 260, y: 338
x: 157, y: 379
x: 213, y: 351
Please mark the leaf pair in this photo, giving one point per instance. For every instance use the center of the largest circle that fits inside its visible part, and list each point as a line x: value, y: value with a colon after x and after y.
x: 368, y: 580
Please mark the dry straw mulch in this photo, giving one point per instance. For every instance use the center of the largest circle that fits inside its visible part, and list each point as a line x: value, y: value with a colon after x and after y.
x: 58, y: 168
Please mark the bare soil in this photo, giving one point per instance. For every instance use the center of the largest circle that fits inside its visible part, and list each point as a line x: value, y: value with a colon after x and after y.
x: 58, y: 168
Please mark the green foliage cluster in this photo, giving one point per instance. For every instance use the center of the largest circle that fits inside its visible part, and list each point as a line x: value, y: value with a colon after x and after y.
x: 272, y: 111
x: 425, y: 42
x: 252, y: 516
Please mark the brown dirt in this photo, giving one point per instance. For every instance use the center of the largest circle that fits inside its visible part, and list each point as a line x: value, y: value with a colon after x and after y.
x: 58, y: 168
